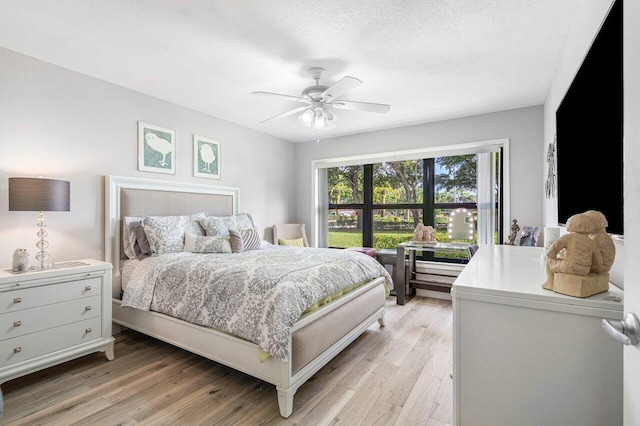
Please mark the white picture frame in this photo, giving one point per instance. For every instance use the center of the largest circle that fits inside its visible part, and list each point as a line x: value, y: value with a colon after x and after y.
x: 207, y: 157
x: 156, y: 149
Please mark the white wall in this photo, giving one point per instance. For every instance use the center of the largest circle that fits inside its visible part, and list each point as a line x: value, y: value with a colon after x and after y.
x: 587, y: 22
x: 523, y: 128
x: 64, y: 125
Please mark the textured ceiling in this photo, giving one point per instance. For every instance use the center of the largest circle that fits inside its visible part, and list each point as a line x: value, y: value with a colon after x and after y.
x: 430, y: 60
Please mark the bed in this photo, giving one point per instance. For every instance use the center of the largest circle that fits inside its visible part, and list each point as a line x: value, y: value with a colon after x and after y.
x: 286, y: 354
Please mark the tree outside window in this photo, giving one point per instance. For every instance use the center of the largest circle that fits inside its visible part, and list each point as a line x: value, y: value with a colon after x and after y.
x: 379, y: 205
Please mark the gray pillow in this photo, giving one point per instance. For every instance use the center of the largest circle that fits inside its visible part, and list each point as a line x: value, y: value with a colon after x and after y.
x: 220, y: 225
x: 244, y: 221
x: 129, y: 236
x: 141, y: 247
x: 166, y: 233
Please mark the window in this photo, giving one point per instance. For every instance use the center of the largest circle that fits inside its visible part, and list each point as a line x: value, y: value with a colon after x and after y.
x: 380, y: 204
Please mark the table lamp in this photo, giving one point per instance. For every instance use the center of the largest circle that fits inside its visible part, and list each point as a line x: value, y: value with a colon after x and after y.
x: 39, y: 195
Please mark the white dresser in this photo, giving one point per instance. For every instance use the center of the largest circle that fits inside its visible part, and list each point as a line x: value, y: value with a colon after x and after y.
x: 52, y: 316
x: 523, y: 355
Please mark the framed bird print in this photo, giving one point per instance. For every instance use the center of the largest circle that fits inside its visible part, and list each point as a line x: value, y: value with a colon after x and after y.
x: 206, y: 157
x: 156, y: 149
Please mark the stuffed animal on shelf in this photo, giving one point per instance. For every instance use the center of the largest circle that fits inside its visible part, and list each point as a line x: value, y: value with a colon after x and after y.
x: 603, y: 240
x: 20, y: 260
x: 578, y: 263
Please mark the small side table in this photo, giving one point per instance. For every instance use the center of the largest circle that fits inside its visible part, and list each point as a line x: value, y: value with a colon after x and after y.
x: 410, y: 248
x: 55, y: 315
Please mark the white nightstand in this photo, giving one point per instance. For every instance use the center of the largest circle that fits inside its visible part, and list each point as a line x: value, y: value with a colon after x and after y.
x: 52, y: 316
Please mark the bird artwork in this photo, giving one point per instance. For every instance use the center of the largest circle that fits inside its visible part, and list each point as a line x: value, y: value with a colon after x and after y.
x: 160, y: 145
x: 208, y: 156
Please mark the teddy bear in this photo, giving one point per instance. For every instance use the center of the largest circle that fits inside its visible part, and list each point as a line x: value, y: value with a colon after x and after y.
x: 602, y: 239
x: 578, y: 263
x: 20, y: 260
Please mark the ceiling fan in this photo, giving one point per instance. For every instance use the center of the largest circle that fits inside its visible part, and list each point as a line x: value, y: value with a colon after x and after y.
x: 319, y: 100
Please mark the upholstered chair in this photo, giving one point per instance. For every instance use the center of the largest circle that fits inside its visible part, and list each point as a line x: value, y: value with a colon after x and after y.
x: 289, y: 233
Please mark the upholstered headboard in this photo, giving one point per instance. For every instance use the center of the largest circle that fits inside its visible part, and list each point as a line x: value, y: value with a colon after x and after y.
x: 146, y: 197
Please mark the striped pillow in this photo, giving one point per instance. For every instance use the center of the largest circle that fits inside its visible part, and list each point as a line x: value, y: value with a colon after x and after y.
x: 244, y: 239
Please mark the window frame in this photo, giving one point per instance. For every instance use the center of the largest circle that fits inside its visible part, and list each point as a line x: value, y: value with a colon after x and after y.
x: 428, y: 205
x: 319, y: 201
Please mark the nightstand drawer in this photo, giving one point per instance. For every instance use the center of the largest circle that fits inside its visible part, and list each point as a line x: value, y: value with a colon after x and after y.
x: 25, y: 321
x: 45, y: 342
x: 17, y: 299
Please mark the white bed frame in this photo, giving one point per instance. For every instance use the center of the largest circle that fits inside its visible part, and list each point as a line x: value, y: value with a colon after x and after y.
x: 234, y: 352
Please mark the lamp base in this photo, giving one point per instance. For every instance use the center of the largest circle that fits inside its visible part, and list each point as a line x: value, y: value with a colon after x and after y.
x: 42, y: 267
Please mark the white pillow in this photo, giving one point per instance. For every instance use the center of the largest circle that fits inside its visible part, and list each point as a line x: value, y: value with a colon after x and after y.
x: 199, y: 244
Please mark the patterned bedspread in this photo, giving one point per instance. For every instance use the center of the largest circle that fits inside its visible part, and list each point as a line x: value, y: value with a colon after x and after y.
x: 257, y: 295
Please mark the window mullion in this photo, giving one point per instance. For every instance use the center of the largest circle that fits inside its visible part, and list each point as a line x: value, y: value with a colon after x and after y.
x: 367, y: 210
x: 428, y: 191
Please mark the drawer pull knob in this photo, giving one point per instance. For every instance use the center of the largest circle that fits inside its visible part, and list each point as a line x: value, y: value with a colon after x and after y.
x: 16, y: 350
x: 87, y: 288
x: 17, y: 323
x: 87, y: 308
x: 87, y: 330
x: 17, y: 300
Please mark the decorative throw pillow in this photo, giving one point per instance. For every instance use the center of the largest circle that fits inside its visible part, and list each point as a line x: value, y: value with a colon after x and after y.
x: 217, y: 226
x: 244, y: 239
x: 296, y: 242
x: 220, y: 225
x: 244, y: 221
x: 193, y: 224
x: 236, y: 240
x: 199, y: 244
x: 166, y: 233
x: 128, y: 236
x: 141, y: 247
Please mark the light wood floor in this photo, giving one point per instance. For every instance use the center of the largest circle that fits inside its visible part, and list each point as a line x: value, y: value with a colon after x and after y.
x: 396, y: 375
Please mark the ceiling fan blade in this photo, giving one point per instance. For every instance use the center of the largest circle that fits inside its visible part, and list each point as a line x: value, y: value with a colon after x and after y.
x: 340, y: 87
x: 288, y: 113
x: 362, y: 106
x: 289, y: 97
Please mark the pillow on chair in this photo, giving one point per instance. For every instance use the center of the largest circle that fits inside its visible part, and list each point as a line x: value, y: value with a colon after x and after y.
x: 296, y: 242
x: 288, y: 232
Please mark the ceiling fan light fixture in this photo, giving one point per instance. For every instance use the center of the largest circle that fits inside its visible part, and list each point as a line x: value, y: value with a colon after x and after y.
x: 321, y: 100
x: 329, y: 119
x: 306, y: 117
x: 318, y: 119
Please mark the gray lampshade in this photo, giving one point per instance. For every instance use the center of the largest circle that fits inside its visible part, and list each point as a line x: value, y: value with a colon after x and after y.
x: 38, y: 194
